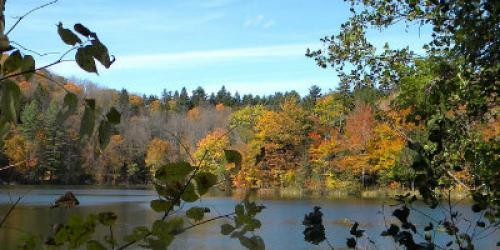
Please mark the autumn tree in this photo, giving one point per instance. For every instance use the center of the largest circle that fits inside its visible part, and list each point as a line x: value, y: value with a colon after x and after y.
x: 157, y: 154
x: 210, y: 151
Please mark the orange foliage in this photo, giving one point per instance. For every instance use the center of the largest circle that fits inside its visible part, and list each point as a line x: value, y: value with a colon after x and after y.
x: 24, y: 85
x: 193, y: 114
x: 219, y: 107
x: 73, y: 88
x: 135, y: 100
x: 359, y: 127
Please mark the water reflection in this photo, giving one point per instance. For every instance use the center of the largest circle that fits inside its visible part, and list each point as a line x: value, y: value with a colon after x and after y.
x: 282, y: 220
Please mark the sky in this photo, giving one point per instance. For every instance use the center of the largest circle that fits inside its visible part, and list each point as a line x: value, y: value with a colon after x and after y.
x: 250, y: 46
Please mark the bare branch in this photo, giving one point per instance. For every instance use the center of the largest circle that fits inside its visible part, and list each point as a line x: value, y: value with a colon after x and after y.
x: 10, y: 211
x: 19, y: 19
x: 207, y: 221
x: 32, y: 51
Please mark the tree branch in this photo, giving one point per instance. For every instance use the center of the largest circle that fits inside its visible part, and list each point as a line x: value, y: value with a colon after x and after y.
x: 10, y: 211
x: 32, y: 51
x: 207, y: 221
x: 19, y: 19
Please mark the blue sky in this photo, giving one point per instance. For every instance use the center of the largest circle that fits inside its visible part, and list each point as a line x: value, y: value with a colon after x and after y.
x: 250, y: 46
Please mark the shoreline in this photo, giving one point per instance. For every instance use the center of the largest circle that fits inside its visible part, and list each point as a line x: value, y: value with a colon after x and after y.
x: 264, y: 193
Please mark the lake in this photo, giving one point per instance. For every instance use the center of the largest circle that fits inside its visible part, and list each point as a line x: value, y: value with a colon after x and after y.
x: 281, y: 220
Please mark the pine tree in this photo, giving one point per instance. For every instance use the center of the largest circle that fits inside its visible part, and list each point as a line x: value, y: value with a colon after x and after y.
x: 199, y: 97
x: 53, y: 143
x: 184, y: 101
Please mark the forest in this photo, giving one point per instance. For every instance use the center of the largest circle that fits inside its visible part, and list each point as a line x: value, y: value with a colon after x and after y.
x: 342, y: 138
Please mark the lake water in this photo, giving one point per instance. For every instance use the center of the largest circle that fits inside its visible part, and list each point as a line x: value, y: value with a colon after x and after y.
x: 281, y: 220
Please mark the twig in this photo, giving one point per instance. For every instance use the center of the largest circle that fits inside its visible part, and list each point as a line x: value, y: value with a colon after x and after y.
x: 32, y: 51
x: 19, y: 19
x: 206, y: 221
x: 10, y: 211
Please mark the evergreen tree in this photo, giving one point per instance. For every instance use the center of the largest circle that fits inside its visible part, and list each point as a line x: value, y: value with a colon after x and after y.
x: 123, y: 101
x: 237, y: 99
x: 53, y: 143
x: 199, y: 96
x: 212, y: 99
x: 184, y: 101
x: 223, y: 96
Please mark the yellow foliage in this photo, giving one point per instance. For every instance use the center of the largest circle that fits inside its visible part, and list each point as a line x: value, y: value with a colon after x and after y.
x: 156, y: 154
x: 210, y: 150
x: 155, y: 106
x: 16, y: 148
x: 135, y: 100
x: 385, y: 147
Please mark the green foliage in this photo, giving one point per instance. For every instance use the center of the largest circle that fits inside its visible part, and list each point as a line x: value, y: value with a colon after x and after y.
x: 88, y: 120
x: 204, y: 181
x: 173, y: 172
x: 244, y: 222
x: 160, y: 205
x: 197, y: 213
x: 9, y: 101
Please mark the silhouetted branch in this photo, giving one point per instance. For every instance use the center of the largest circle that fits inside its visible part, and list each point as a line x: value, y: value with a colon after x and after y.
x: 19, y: 19
x: 10, y: 211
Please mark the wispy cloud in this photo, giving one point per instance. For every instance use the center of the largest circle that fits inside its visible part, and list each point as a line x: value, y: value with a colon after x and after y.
x: 190, y: 58
x: 259, y: 21
x: 167, y: 60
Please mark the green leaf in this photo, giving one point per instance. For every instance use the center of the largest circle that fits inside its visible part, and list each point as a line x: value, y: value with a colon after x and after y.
x: 204, y: 181
x: 107, y: 218
x: 173, y: 172
x: 69, y: 106
x: 253, y: 243
x: 113, y: 116
x: 226, y: 229
x: 189, y: 194
x: 95, y: 245
x: 239, y: 210
x: 101, y: 53
x: 233, y: 156
x: 85, y: 60
x: 104, y: 133
x: 87, y: 123
x: 165, y: 231
x: 13, y: 62
x: 28, y: 65
x: 196, y: 213
x: 67, y: 36
x: 4, y: 43
x: 160, y: 205
x: 4, y: 130
x: 138, y: 233
x: 10, y: 100
x: 80, y: 28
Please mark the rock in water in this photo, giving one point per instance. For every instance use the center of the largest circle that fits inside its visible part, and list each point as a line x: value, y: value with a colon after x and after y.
x: 68, y: 200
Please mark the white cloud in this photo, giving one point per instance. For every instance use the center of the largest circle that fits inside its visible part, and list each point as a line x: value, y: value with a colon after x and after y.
x: 269, y: 24
x: 169, y: 60
x: 259, y: 21
x: 188, y: 59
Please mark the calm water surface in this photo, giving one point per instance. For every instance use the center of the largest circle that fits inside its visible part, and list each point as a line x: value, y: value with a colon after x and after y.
x: 281, y: 220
